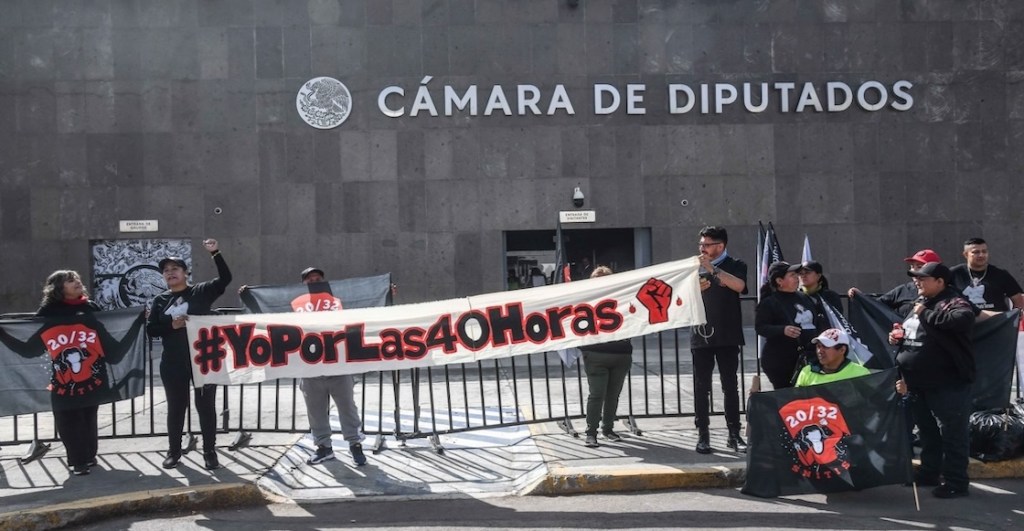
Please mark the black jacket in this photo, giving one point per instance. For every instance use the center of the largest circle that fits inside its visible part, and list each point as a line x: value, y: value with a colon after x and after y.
x: 779, y: 310
x: 936, y: 348
x: 199, y: 298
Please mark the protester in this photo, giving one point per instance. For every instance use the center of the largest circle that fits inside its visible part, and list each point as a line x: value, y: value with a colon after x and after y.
x: 986, y: 286
x: 318, y: 391
x: 167, y: 319
x: 937, y: 367
x: 814, y: 284
x: 80, y: 378
x: 785, y: 318
x: 901, y: 298
x: 606, y: 365
x: 722, y: 281
x: 833, y: 363
x: 64, y: 295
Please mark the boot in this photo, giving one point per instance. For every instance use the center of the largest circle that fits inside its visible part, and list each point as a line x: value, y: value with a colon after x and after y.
x: 210, y: 461
x: 172, y: 459
x: 703, y: 441
x: 736, y: 442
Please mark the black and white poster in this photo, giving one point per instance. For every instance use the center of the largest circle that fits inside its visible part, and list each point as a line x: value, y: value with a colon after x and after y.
x: 125, y: 271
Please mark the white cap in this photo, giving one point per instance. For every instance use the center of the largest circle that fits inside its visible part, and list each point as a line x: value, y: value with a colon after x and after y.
x: 832, y: 337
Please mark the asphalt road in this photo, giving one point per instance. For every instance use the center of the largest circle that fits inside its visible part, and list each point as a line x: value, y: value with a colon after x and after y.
x: 993, y: 504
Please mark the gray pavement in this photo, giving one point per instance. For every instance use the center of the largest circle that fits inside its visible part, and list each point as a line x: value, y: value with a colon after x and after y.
x: 537, y: 459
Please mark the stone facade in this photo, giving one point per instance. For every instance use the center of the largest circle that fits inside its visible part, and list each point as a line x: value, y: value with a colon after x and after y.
x: 176, y: 110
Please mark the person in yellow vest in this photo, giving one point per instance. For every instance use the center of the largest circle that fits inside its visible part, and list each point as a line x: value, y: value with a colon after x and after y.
x: 832, y: 347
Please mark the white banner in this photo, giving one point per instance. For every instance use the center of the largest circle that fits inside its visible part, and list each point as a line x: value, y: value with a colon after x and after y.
x: 249, y: 348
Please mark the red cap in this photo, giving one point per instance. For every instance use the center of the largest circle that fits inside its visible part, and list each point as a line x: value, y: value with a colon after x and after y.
x: 925, y: 256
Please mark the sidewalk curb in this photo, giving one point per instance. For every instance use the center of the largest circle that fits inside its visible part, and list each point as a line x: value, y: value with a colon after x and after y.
x: 592, y: 480
x: 1012, y: 468
x: 149, y: 501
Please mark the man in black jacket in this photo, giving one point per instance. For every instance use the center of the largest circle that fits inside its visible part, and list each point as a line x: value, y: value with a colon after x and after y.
x: 937, y: 367
x: 723, y: 279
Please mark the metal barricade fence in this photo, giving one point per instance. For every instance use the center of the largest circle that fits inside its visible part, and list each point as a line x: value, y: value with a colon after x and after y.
x: 417, y: 402
x: 430, y: 401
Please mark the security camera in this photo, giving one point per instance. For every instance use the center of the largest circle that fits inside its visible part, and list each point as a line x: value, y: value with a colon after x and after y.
x: 577, y: 197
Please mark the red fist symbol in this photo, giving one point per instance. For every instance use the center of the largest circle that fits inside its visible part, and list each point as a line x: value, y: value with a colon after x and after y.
x: 656, y: 296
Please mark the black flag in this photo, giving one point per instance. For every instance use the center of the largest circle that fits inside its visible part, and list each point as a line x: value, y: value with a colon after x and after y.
x: 994, y: 342
x: 365, y: 292
x: 995, y: 349
x: 56, y: 363
x: 845, y: 435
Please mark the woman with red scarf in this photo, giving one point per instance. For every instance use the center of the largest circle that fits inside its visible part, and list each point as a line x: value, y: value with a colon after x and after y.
x: 64, y: 296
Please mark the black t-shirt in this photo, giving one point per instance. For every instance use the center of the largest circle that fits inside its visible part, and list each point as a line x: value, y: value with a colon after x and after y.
x: 901, y: 298
x: 722, y: 308
x: 988, y: 290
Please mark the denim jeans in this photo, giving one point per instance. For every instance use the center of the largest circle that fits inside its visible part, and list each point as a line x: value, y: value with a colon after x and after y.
x: 942, y: 416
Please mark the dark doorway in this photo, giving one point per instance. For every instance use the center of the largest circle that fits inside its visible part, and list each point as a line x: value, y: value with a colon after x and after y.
x: 528, y: 252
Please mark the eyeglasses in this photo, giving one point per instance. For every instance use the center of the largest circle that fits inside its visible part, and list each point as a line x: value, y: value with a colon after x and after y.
x: 708, y: 244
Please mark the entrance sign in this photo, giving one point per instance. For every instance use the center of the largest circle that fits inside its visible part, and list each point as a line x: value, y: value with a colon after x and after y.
x: 577, y: 216
x: 139, y: 225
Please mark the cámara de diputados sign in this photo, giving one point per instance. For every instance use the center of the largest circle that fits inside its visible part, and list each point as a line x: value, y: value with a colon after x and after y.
x: 425, y: 99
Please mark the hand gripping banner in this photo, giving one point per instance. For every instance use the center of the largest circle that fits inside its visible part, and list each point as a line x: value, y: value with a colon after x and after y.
x: 238, y: 349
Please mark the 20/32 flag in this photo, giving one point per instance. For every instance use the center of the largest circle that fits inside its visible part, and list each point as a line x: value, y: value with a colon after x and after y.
x: 846, y: 435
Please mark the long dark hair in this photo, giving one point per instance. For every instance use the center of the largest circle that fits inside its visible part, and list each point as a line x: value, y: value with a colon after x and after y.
x: 53, y: 289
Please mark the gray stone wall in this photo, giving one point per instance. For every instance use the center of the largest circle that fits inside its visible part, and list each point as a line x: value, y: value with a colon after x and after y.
x: 167, y: 110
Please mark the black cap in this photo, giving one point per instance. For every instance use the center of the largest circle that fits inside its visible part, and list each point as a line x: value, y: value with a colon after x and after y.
x: 172, y: 260
x: 779, y: 270
x: 931, y: 269
x: 309, y: 271
x: 811, y: 265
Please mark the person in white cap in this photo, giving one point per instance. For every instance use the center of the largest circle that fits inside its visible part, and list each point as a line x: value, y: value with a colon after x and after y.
x: 832, y: 347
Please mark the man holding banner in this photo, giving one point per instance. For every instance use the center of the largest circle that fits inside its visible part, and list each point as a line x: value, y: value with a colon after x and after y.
x: 723, y: 279
x: 318, y: 391
x: 936, y: 362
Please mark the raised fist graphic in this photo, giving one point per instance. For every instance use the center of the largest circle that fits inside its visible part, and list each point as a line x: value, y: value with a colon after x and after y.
x: 656, y: 296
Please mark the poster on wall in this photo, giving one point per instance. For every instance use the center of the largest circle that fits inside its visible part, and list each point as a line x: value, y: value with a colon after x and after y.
x: 125, y: 272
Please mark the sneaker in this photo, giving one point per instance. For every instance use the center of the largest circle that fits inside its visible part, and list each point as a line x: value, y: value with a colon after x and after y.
x: 210, y: 461
x: 323, y: 453
x: 172, y: 460
x: 80, y: 470
x: 591, y: 441
x: 91, y: 463
x: 946, y: 491
x: 357, y: 453
x: 612, y: 436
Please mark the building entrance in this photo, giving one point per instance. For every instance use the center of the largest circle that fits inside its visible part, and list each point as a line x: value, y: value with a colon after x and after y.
x: 530, y: 254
